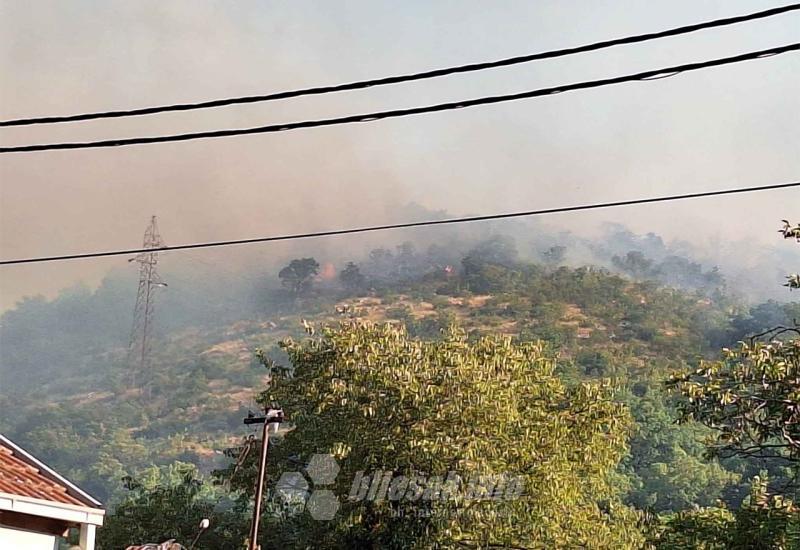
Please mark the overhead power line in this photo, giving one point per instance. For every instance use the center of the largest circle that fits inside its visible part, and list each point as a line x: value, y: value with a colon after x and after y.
x: 435, y: 73
x: 396, y: 113
x: 406, y: 225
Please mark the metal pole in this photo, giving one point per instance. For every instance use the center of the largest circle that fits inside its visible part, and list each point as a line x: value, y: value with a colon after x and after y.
x: 272, y: 416
x: 262, y: 466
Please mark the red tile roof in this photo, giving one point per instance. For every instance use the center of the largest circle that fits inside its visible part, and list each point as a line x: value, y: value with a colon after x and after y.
x: 19, y: 477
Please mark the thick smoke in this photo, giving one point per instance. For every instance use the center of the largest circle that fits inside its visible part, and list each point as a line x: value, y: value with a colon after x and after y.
x: 713, y: 129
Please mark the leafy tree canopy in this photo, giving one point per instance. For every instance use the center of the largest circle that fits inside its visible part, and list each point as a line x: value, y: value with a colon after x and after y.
x: 751, y: 398
x: 351, y: 277
x: 298, y: 276
x: 554, y: 255
x: 763, y: 523
x: 169, y: 503
x: 379, y: 400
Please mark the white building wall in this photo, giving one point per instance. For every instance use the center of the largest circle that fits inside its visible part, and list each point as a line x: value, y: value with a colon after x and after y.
x: 17, y: 539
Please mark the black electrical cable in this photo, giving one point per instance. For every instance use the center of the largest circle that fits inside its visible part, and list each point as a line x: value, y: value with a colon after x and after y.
x: 335, y: 232
x: 381, y: 115
x: 362, y: 84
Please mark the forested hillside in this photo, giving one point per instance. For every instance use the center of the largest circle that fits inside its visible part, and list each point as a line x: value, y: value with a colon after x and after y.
x: 72, y: 399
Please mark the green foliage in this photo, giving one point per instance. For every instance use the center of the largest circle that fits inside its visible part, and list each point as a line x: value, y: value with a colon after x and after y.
x: 554, y: 255
x: 377, y: 399
x: 634, y: 263
x: 682, y: 272
x: 683, y: 480
x: 169, y: 503
x: 790, y: 232
x: 700, y: 529
x: 749, y: 398
x: 298, y: 276
x: 351, y: 277
x: 666, y: 467
x: 483, y: 277
x: 489, y: 267
x: 77, y: 412
x: 594, y: 363
x: 762, y: 318
x: 496, y: 250
x: 764, y: 522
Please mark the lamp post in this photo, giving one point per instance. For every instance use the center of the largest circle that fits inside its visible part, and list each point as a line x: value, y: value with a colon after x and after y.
x: 272, y: 416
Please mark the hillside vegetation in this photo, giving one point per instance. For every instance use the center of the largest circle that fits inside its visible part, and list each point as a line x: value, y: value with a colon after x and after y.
x: 72, y: 400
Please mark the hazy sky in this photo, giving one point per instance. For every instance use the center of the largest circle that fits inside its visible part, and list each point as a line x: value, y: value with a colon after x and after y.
x: 718, y: 128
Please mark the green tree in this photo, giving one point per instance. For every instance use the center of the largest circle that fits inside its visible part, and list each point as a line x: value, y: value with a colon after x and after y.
x: 634, y: 263
x: 666, y: 467
x: 351, y: 277
x: 762, y: 523
x: 496, y: 250
x: 298, y: 276
x: 407, y: 260
x: 791, y: 232
x: 377, y: 399
x: 554, y: 255
x: 750, y: 397
x: 699, y: 529
x: 169, y: 503
x: 484, y: 277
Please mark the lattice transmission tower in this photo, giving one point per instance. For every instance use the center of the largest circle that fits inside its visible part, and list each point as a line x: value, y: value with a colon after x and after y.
x: 143, y: 313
